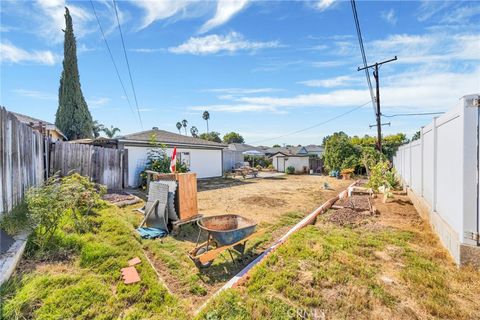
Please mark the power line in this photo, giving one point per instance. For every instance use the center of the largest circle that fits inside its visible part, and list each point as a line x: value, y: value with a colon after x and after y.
x: 111, y: 57
x: 362, y: 50
x: 411, y: 114
x: 128, y: 64
x: 315, y: 125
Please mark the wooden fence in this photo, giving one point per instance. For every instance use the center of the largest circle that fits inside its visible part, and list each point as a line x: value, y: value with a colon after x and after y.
x: 27, y: 159
x: 21, y: 159
x: 104, y: 165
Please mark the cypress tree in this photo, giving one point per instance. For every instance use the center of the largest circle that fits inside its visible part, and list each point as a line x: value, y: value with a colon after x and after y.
x: 72, y: 116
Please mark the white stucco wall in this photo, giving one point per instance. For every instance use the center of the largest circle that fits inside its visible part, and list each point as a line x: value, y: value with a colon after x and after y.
x: 206, y: 163
x: 298, y: 163
x: 278, y: 163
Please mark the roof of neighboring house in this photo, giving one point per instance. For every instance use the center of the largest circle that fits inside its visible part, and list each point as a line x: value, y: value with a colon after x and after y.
x: 30, y: 120
x: 167, y: 137
x: 243, y: 147
x: 284, y: 150
x: 282, y: 154
x: 314, y: 148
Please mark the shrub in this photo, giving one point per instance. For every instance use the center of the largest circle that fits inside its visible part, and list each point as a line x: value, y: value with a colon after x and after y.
x: 290, y: 170
x: 159, y: 161
x: 49, y: 205
x: 350, y: 163
x: 270, y: 167
x: 382, y: 175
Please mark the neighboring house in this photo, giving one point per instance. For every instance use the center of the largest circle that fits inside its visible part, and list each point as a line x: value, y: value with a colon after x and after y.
x: 202, y: 157
x: 286, y: 150
x: 281, y: 161
x: 312, y: 149
x: 46, y: 128
x: 233, y: 156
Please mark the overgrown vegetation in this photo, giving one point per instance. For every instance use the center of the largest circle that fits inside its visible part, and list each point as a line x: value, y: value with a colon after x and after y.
x: 49, y: 205
x: 86, y: 283
x: 358, y: 153
x: 290, y: 170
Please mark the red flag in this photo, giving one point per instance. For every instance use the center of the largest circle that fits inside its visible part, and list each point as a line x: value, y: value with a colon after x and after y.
x: 173, y: 162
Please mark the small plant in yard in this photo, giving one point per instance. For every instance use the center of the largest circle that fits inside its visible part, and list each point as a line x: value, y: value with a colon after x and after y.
x: 159, y: 161
x: 290, y: 170
x: 382, y: 177
x: 48, y: 205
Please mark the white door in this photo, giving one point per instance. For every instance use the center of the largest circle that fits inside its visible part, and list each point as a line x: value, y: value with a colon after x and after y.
x: 280, y: 164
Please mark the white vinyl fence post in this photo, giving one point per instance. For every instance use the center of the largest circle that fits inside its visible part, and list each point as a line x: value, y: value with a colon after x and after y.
x: 435, y: 151
x: 421, y: 161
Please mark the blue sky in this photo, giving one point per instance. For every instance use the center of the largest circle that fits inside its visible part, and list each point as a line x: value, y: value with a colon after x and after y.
x: 261, y: 68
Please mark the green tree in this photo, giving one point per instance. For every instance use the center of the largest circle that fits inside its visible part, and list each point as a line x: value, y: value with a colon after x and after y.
x: 416, y: 136
x: 73, y: 117
x: 338, y: 148
x: 111, y: 132
x: 206, y: 117
x: 233, y: 137
x: 97, y: 127
x: 194, y: 131
x: 370, y: 156
x: 211, y: 136
x: 184, y: 124
x: 276, y: 146
x: 391, y: 143
x: 179, y: 127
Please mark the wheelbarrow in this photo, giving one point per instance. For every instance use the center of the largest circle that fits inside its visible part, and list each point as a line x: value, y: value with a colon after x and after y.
x: 224, y: 232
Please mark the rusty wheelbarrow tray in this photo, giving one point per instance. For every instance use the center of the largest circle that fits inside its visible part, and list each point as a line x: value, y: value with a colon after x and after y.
x: 225, y: 232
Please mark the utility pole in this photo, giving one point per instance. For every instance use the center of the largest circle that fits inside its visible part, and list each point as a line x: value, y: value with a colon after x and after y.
x: 378, y: 112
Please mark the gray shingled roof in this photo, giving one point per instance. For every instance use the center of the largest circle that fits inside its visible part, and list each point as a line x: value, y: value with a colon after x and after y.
x: 166, y: 137
x: 243, y: 147
x: 28, y: 120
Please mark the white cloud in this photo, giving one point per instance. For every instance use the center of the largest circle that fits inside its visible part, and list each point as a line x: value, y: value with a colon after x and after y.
x: 226, y: 9
x: 35, y: 94
x: 98, y: 102
x: 212, y: 44
x: 389, y: 16
x: 236, y: 91
x: 147, y: 50
x: 340, y: 81
x: 52, y: 19
x: 323, y: 5
x: 164, y: 9
x: 12, y: 54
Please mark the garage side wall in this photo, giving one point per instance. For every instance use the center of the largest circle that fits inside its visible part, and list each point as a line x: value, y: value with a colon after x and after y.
x: 206, y: 163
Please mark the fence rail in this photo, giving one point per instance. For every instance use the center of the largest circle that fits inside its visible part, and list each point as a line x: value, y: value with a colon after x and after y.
x: 27, y: 159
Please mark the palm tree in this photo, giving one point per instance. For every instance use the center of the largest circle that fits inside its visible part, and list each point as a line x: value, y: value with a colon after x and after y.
x: 111, y: 132
x: 97, y: 128
x: 194, y: 131
x: 206, y: 117
x: 184, y: 123
x: 179, y: 126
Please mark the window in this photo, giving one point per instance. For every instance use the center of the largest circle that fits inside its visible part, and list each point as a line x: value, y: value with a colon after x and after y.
x: 184, y: 157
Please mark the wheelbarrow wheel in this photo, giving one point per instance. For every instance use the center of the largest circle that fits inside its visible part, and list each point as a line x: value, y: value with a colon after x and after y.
x: 200, y: 251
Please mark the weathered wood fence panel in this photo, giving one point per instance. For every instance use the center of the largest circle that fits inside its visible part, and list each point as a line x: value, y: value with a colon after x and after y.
x: 21, y: 159
x: 27, y: 159
x: 103, y: 165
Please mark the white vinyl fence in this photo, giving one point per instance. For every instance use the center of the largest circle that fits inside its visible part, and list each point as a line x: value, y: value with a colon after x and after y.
x: 441, y: 170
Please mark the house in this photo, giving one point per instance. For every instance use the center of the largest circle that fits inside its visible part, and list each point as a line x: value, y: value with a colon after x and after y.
x: 201, y: 156
x: 46, y: 128
x: 302, y: 158
x: 282, y: 160
x: 233, y: 156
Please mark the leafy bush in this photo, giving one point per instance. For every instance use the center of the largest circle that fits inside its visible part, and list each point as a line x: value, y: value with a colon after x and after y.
x: 350, y: 163
x: 370, y: 157
x: 49, y: 205
x: 17, y: 220
x: 339, y: 148
x: 270, y: 167
x: 382, y: 175
x: 290, y: 170
x: 159, y: 161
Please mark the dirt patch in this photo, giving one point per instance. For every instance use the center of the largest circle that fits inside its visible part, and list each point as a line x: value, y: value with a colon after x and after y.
x: 263, y: 201
x: 347, y: 216
x: 266, y: 200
